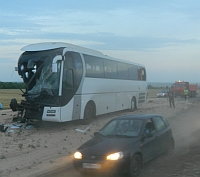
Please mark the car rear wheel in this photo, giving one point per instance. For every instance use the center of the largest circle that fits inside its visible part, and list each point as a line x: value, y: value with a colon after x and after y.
x: 170, y: 147
x: 135, y: 166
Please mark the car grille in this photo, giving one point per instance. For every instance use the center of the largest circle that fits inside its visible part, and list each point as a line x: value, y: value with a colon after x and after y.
x: 93, y: 157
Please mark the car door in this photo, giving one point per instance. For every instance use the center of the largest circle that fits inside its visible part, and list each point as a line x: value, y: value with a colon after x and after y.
x: 162, y: 134
x: 149, y: 146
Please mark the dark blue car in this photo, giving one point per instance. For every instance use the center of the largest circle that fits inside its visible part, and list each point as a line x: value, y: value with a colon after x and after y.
x: 124, y: 144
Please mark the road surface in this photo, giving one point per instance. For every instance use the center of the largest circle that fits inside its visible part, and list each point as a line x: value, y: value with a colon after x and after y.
x: 185, y: 159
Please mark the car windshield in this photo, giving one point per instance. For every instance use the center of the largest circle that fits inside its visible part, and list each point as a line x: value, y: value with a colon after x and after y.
x: 122, y: 128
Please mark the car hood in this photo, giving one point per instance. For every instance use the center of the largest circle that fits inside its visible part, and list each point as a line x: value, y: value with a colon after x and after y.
x: 104, y: 145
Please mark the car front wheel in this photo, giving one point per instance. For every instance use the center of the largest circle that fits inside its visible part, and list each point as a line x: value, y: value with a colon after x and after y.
x: 135, y: 166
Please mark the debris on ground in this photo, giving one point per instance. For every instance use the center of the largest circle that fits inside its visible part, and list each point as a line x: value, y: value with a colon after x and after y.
x: 3, y: 128
x: 82, y: 131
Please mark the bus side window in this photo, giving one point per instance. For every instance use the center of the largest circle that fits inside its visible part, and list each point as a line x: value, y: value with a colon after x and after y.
x: 70, y: 79
x: 110, y: 68
x: 94, y: 66
x: 133, y: 72
x: 141, y: 74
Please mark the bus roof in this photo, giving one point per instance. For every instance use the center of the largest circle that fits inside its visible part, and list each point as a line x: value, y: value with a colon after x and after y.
x: 55, y: 45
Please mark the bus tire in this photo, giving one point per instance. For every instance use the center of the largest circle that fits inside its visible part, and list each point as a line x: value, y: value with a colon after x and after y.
x: 133, y: 105
x: 89, y: 113
x: 13, y: 104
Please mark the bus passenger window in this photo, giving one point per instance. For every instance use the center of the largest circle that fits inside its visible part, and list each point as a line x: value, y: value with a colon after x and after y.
x: 110, y: 68
x: 133, y: 72
x: 141, y: 74
x: 94, y: 66
x: 122, y: 70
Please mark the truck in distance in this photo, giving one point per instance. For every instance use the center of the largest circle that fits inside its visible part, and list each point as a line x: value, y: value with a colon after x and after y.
x: 179, y: 86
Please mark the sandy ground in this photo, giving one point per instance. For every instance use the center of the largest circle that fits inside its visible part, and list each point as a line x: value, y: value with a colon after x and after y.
x: 29, y: 151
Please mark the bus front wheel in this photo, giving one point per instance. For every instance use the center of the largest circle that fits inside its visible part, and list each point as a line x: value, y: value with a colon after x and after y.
x: 89, y: 113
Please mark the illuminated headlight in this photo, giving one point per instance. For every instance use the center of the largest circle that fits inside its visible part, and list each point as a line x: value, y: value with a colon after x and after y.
x: 115, y: 156
x: 77, y: 155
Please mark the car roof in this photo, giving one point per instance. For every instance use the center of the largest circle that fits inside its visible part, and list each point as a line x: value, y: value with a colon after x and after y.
x: 138, y: 116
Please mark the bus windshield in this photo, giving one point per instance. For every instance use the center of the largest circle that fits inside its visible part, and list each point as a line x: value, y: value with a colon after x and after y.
x: 36, y: 70
x: 48, y: 82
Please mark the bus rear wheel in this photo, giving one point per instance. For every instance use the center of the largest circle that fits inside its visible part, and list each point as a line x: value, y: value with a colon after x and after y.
x: 89, y: 113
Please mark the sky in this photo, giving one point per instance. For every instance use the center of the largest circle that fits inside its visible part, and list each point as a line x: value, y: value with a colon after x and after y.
x: 162, y: 35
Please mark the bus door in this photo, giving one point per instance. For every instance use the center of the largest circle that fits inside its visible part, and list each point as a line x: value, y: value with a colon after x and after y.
x: 72, y: 75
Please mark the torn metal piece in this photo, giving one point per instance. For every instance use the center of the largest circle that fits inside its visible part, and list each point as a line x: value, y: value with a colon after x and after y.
x: 28, y: 127
x: 10, y: 131
x: 3, y: 128
x: 83, y: 131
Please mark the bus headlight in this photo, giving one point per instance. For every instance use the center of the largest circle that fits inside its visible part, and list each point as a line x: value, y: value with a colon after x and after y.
x: 115, y: 156
x: 77, y: 155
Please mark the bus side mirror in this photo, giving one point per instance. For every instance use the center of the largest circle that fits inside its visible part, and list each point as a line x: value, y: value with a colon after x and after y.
x: 55, y: 63
x: 54, y: 68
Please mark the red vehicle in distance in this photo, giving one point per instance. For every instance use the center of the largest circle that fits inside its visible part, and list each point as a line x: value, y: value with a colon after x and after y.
x: 178, y: 89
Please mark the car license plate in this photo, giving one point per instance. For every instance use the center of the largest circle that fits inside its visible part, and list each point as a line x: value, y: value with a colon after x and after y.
x: 91, y: 165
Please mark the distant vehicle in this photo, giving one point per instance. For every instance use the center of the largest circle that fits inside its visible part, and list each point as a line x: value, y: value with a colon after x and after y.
x: 124, y: 144
x: 65, y: 82
x: 163, y: 93
x: 178, y: 89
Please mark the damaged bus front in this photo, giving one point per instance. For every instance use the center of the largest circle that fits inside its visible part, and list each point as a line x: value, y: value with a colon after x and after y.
x: 48, y: 85
x: 65, y: 82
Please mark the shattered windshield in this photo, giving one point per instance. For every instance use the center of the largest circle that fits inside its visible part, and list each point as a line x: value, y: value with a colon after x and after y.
x: 48, y: 81
x: 36, y: 70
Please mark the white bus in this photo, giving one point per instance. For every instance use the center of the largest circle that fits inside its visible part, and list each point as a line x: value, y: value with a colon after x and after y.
x: 65, y: 82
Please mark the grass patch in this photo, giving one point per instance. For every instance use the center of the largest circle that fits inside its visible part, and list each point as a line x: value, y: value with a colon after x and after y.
x: 7, y: 94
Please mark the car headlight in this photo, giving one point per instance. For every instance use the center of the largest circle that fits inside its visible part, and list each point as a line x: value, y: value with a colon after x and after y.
x: 77, y: 155
x: 115, y: 156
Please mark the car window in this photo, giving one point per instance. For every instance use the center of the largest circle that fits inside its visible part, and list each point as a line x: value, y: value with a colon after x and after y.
x: 159, y: 123
x: 122, y: 127
x: 166, y: 122
x: 150, y: 127
x: 109, y: 128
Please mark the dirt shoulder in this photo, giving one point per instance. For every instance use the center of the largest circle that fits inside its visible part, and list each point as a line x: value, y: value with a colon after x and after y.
x: 29, y: 151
